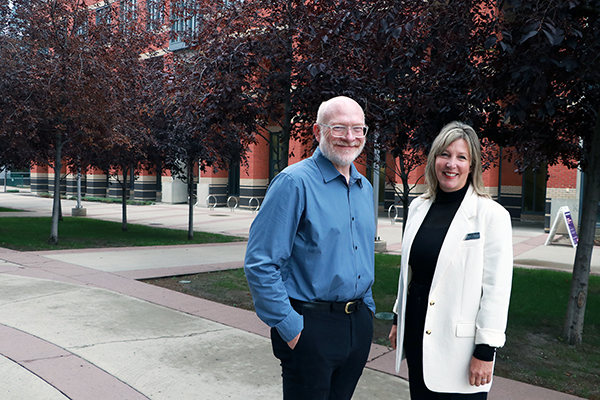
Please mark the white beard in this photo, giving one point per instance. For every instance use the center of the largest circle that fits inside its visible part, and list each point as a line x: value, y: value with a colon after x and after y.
x: 337, y: 156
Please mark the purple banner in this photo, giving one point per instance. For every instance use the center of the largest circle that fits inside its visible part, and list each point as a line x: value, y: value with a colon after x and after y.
x: 571, y: 227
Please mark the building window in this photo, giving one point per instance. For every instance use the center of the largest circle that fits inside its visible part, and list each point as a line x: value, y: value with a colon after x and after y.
x: 156, y: 14
x: 127, y: 12
x: 103, y: 15
x: 230, y: 3
x: 233, y: 183
x: 185, y: 16
x: 534, y: 190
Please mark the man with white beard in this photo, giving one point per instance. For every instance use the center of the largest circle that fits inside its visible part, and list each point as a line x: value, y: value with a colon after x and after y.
x: 310, y: 261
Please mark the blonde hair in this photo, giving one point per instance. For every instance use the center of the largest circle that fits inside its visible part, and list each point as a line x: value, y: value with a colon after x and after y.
x: 451, y: 132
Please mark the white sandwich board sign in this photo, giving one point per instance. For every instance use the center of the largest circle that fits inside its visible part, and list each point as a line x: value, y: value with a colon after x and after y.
x: 563, y: 225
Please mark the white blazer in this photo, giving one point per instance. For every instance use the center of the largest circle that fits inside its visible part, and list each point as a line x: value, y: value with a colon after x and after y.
x: 470, y: 292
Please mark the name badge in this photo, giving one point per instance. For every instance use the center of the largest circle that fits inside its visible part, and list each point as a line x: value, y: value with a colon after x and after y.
x: 472, y: 236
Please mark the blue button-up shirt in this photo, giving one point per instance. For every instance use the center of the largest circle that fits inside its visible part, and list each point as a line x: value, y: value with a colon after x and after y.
x: 312, y: 240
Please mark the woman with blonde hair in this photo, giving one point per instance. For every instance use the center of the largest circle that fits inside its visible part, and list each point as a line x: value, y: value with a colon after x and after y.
x: 455, y: 277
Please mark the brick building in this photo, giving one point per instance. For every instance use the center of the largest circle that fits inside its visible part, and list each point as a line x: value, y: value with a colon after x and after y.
x: 528, y: 197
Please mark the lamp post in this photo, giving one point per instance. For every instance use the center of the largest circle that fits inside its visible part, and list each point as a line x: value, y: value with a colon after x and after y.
x: 78, y: 211
x: 380, y: 245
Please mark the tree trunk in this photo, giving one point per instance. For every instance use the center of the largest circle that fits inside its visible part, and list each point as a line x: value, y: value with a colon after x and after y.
x: 573, y: 327
x: 56, y: 203
x: 125, y: 171
x: 191, y: 198
x: 405, y: 192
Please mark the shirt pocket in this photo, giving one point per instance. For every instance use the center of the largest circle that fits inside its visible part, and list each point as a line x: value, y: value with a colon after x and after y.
x: 465, y: 329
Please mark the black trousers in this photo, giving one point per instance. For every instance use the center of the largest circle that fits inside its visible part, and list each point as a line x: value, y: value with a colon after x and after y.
x: 329, y: 357
x: 416, y: 311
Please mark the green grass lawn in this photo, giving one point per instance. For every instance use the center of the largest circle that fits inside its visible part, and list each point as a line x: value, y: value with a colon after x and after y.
x: 534, y: 351
x: 385, y: 288
x: 32, y: 233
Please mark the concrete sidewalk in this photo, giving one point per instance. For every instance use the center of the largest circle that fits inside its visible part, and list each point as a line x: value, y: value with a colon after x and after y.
x: 77, y: 325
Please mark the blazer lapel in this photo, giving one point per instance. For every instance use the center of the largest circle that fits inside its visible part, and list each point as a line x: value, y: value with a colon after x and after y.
x: 456, y: 234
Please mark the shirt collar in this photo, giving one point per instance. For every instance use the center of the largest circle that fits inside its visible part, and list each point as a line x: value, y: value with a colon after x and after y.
x: 329, y: 172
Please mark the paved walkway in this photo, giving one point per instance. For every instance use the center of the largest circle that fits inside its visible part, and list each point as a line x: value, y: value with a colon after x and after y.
x: 76, y: 324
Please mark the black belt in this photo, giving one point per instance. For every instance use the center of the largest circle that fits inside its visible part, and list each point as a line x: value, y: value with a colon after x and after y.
x: 347, y: 307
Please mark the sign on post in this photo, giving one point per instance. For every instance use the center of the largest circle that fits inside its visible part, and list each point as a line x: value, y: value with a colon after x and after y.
x: 563, y: 225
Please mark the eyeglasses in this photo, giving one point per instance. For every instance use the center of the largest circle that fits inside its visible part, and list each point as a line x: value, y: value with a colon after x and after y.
x: 358, y: 131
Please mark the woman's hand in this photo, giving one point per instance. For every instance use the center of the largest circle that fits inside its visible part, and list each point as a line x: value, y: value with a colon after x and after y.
x: 480, y: 372
x: 392, y: 335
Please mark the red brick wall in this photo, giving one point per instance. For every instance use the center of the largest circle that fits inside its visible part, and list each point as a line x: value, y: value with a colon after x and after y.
x: 490, y: 177
x: 390, y: 170
x: 210, y: 173
x: 296, y: 152
x: 258, y: 161
x: 561, y: 177
x: 39, y: 169
x: 509, y: 175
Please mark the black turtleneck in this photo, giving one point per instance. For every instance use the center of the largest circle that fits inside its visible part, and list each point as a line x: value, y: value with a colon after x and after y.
x: 428, y: 242
x: 430, y: 237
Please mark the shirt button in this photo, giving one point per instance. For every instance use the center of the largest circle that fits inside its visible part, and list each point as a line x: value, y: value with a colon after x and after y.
x: 428, y: 332
x: 431, y: 302
x: 355, y: 247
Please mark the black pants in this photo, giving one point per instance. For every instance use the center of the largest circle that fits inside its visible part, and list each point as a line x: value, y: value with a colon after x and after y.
x: 329, y: 357
x: 416, y: 310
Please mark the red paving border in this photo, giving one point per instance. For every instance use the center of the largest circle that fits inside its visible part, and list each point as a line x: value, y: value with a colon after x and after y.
x: 71, y: 375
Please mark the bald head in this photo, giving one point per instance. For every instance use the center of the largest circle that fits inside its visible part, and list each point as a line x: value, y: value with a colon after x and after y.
x: 338, y: 105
